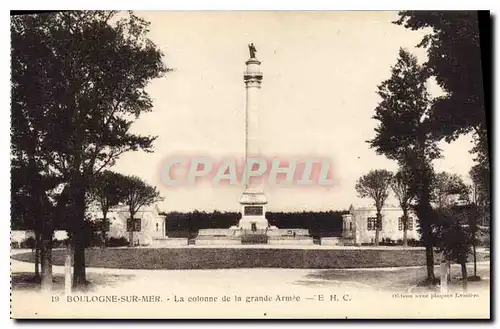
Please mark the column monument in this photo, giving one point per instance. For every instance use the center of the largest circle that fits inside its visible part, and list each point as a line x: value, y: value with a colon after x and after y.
x: 253, y: 200
x: 253, y: 226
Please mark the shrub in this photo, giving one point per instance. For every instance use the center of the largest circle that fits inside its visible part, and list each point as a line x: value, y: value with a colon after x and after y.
x: 28, y: 243
x: 59, y: 243
x: 483, y: 240
x: 387, y: 242
x: 117, y: 242
x: 414, y: 243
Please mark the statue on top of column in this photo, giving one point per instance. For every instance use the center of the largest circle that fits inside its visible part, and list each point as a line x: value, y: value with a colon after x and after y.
x: 252, y: 50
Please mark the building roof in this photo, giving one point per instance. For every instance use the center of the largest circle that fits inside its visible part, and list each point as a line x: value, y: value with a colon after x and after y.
x: 94, y: 208
x: 389, y: 207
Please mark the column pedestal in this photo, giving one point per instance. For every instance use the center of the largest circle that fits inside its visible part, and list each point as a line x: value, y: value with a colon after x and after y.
x: 253, y: 211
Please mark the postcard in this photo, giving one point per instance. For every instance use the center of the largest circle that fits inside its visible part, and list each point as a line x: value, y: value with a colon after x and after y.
x: 249, y: 165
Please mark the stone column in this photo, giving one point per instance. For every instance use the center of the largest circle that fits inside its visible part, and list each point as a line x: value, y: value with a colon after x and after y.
x: 253, y: 200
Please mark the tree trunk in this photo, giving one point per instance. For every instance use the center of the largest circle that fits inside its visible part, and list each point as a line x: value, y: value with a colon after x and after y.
x: 38, y: 245
x: 103, y: 240
x: 405, y: 228
x: 429, y: 251
x: 79, y: 238
x: 79, y: 275
x: 46, y: 252
x: 423, y: 176
x: 42, y: 258
x: 463, y: 264
x: 473, y: 226
x: 444, y: 277
x: 131, y: 232
x: 131, y: 237
x: 474, y: 256
x: 67, y: 270
x: 425, y: 214
x: 429, y: 254
x: 377, y: 227
x: 103, y: 229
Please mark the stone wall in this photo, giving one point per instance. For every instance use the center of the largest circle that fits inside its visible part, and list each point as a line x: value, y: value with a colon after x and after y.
x: 332, y: 241
x: 219, y: 242
x: 215, y: 232
x: 290, y: 241
x: 158, y: 242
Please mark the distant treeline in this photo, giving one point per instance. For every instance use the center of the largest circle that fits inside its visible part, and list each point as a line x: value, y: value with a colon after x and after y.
x: 319, y: 223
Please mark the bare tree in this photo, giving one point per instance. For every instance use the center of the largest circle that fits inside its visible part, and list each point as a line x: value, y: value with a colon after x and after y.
x: 401, y: 187
x: 375, y: 185
x: 106, y: 191
x: 138, y: 194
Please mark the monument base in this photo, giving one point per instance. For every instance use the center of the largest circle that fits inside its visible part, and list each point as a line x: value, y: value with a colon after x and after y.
x: 253, y: 227
x: 253, y: 212
x: 237, y: 235
x: 253, y: 223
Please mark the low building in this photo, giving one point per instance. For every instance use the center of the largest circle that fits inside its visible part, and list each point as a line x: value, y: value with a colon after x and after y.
x: 360, y: 224
x: 148, y: 224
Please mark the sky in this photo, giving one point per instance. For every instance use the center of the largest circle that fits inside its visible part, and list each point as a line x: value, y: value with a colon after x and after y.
x: 321, y: 70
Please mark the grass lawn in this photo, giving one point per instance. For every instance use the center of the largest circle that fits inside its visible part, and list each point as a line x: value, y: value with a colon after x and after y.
x: 212, y: 258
